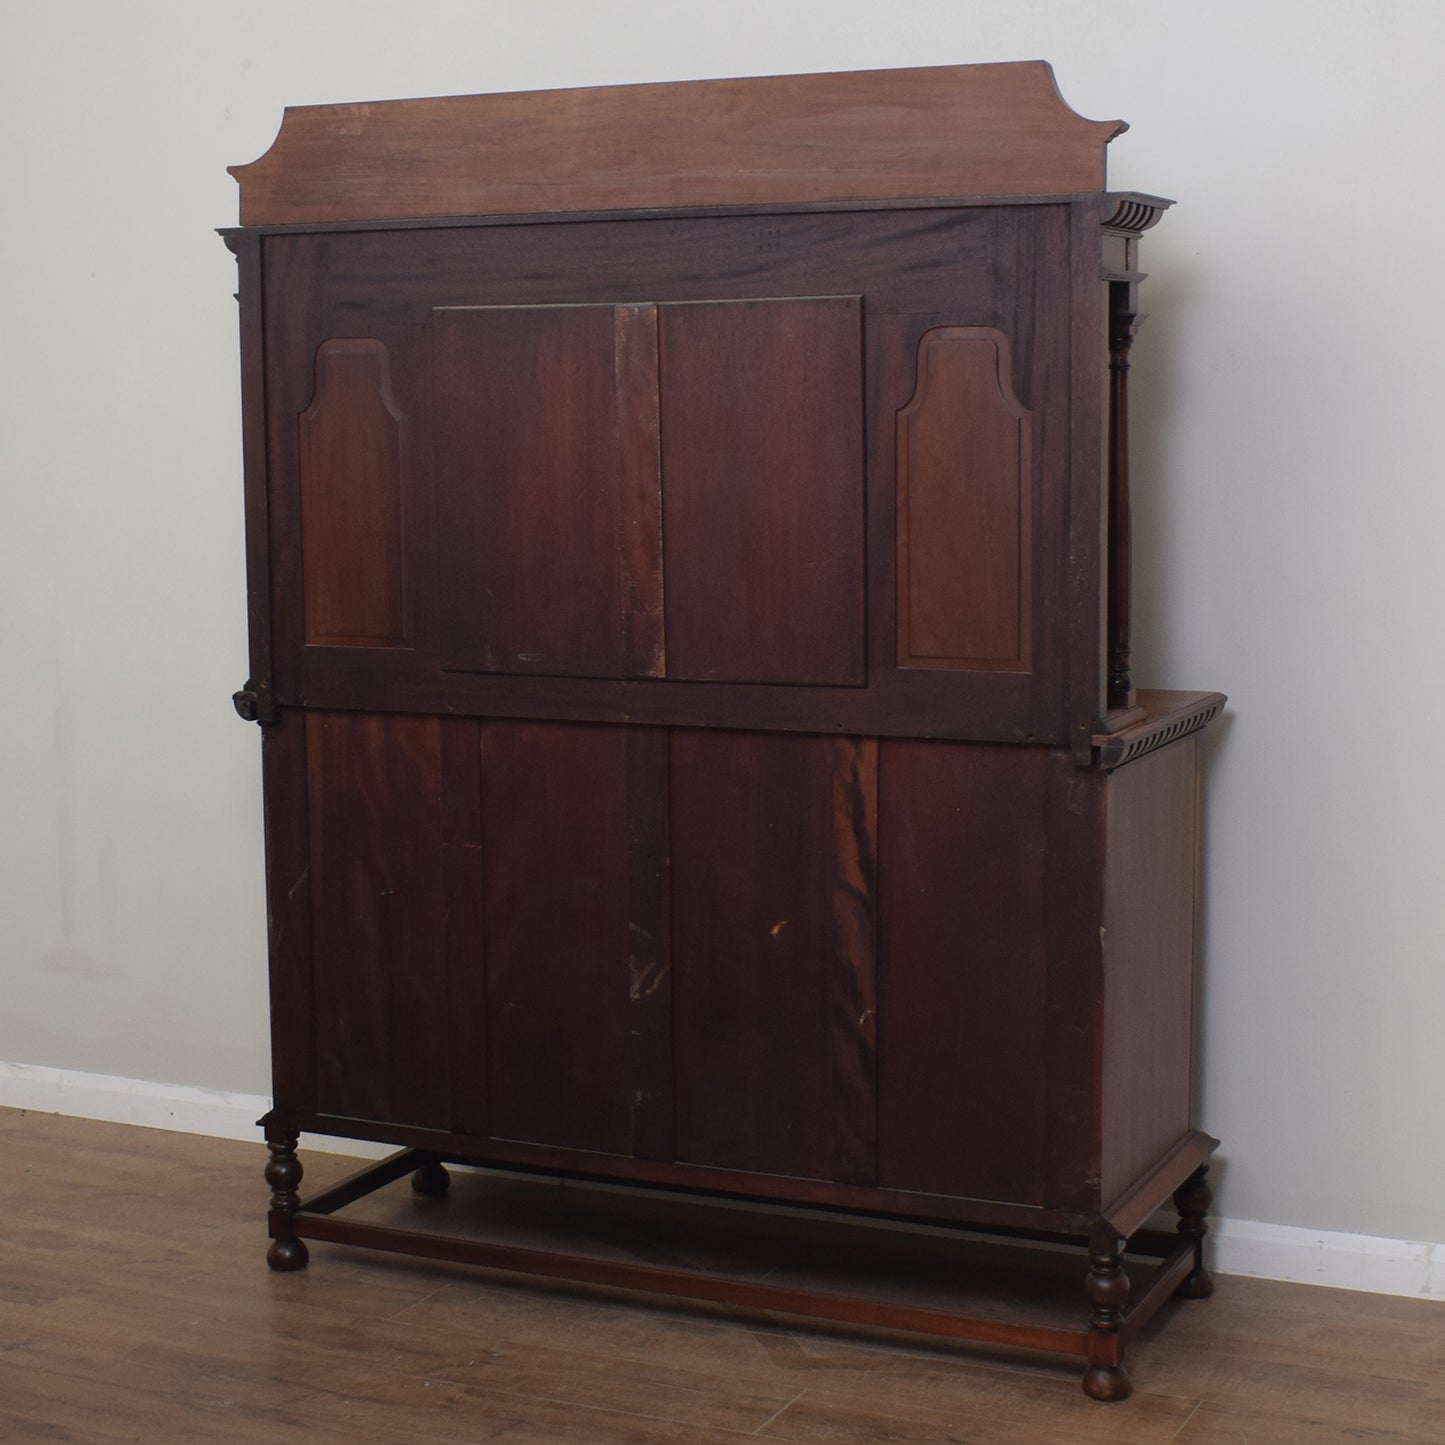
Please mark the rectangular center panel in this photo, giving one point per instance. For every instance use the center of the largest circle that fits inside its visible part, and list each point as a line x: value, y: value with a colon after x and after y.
x: 647, y: 491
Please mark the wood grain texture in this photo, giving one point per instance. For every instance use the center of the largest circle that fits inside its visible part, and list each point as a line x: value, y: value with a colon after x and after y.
x: 548, y: 487
x: 731, y: 1289
x: 463, y: 884
x: 965, y: 507
x: 1058, y: 1224
x: 288, y: 911
x: 247, y: 250
x: 378, y: 911
x: 1080, y: 607
x: 772, y: 925
x: 639, y: 446
x: 1006, y: 266
x: 964, y: 130
x: 649, y: 943
x: 903, y: 703
x: 1072, y: 920
x: 962, y: 988
x: 1149, y: 923
x: 350, y: 464
x: 555, y: 860
x: 762, y: 460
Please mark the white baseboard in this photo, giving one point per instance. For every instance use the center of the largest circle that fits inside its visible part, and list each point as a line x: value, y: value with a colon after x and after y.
x: 1320, y: 1256
x: 181, y: 1107
x: 1237, y: 1246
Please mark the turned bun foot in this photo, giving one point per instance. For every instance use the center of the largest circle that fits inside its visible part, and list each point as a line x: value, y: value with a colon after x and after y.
x: 287, y: 1254
x: 1107, y: 1382
x: 431, y: 1179
x: 1198, y: 1284
x: 1193, y: 1199
x: 283, y: 1174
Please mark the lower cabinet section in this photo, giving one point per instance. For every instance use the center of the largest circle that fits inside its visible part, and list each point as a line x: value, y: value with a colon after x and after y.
x: 784, y: 954
x: 937, y: 981
x: 875, y: 963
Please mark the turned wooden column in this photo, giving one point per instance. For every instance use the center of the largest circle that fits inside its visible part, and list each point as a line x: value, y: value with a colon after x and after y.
x: 1124, y: 322
x: 283, y: 1174
x: 1193, y: 1199
x: 1108, y: 1287
x: 1127, y: 216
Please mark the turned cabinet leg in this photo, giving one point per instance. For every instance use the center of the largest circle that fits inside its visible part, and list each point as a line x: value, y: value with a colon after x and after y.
x: 1108, y: 1286
x: 431, y: 1177
x: 283, y: 1174
x: 1192, y: 1199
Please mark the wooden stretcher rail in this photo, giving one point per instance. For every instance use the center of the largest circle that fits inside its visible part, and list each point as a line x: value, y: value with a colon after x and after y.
x: 318, y: 1219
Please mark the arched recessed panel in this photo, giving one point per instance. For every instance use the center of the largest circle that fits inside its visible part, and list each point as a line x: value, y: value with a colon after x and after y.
x: 964, y: 507
x: 350, y: 469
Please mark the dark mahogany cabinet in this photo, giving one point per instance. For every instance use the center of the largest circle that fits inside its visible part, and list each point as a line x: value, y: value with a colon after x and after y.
x: 688, y: 563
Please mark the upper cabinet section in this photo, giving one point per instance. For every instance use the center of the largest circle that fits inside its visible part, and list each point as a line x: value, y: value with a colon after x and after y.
x: 958, y: 130
x: 781, y: 403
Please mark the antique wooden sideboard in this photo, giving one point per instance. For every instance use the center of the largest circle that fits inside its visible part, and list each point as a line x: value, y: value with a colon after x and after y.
x: 689, y: 622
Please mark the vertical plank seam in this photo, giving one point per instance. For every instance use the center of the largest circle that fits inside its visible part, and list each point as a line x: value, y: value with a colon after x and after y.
x: 637, y: 497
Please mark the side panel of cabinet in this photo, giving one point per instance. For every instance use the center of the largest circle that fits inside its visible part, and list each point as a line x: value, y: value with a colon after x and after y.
x: 1149, y: 930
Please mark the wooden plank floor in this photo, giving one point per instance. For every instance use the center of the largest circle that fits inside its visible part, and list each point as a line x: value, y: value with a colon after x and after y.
x: 135, y: 1306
